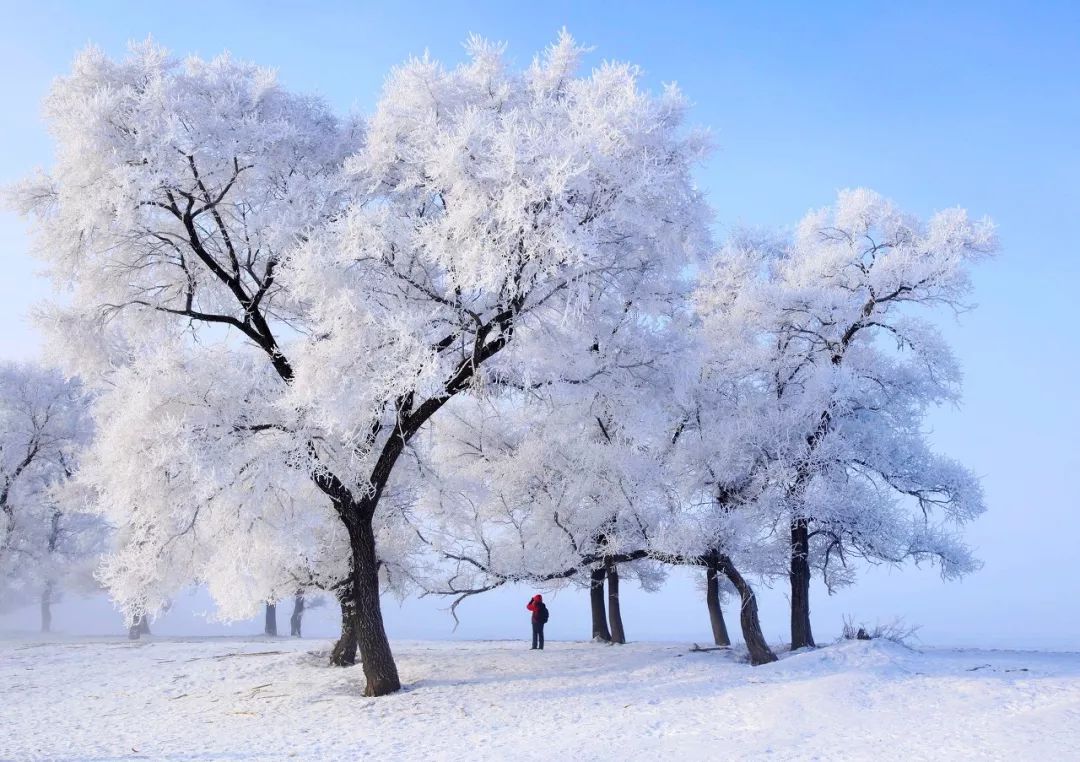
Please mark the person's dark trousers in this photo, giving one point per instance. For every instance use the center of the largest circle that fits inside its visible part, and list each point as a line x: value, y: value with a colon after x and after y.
x: 538, y: 635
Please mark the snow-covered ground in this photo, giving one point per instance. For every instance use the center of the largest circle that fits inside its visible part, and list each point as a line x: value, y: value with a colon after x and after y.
x: 266, y: 699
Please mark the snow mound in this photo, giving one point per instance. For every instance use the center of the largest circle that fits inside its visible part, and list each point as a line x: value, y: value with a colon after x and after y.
x: 882, y: 656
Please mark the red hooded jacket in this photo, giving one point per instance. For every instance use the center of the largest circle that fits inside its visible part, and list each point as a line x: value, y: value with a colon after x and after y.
x: 537, y: 607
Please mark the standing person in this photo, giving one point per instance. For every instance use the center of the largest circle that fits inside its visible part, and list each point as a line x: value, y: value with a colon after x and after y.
x: 539, y: 619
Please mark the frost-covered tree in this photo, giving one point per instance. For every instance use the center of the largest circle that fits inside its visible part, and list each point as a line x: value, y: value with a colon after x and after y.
x: 711, y: 466
x: 539, y: 490
x: 275, y: 303
x: 832, y: 371
x: 48, y: 543
x: 550, y: 478
x: 568, y: 492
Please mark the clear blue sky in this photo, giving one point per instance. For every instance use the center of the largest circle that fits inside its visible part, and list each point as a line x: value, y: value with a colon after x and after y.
x: 976, y: 105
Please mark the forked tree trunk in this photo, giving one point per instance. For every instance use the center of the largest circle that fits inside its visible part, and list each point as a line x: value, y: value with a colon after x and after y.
x: 801, y: 634
x: 712, y: 599
x: 760, y: 653
x: 596, y: 601
x: 297, y: 615
x: 614, y: 610
x: 344, y: 653
x: 46, y: 607
x: 140, y: 628
x: 270, y: 626
x: 375, y: 654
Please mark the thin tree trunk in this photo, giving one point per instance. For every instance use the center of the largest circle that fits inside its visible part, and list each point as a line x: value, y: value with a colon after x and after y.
x: 614, y: 611
x: 712, y: 599
x: 801, y: 634
x: 270, y: 626
x: 297, y: 615
x: 46, y: 607
x: 760, y: 653
x: 596, y: 599
x: 375, y: 654
x: 344, y: 653
x: 47, y: 593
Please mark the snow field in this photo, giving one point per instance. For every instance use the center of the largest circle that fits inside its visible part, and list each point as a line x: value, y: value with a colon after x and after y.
x: 272, y: 699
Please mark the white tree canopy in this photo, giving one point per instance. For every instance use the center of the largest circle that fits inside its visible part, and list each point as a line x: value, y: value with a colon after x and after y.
x: 818, y: 374
x: 47, y: 539
x: 274, y: 302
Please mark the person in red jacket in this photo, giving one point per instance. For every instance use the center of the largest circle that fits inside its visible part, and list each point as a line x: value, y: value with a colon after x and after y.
x: 539, y: 619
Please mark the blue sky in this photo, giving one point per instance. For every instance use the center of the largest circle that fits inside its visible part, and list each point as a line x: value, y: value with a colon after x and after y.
x: 976, y: 105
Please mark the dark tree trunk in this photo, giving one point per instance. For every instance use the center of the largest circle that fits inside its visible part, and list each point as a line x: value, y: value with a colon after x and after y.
x: 760, y: 653
x: 712, y: 599
x: 375, y: 654
x: 614, y: 610
x: 801, y: 635
x: 344, y: 653
x: 297, y: 615
x: 47, y: 593
x: 140, y: 628
x: 596, y: 599
x: 46, y: 607
x: 270, y: 627
x: 413, y: 411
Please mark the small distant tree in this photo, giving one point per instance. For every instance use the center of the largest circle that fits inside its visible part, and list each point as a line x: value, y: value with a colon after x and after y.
x: 49, y: 543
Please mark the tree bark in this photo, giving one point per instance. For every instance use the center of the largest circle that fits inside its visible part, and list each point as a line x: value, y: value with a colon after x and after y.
x: 712, y: 599
x: 596, y: 599
x: 270, y: 626
x: 375, y: 654
x: 140, y: 628
x: 760, y: 653
x: 46, y: 607
x: 614, y: 610
x: 801, y: 634
x: 297, y: 615
x: 47, y: 593
x: 344, y: 653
